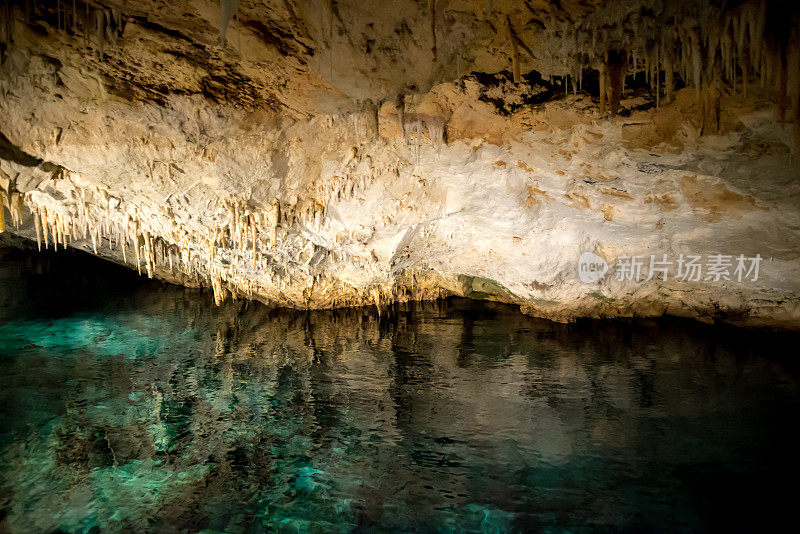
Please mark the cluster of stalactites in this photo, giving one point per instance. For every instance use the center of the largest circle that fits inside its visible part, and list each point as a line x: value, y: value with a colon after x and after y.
x: 96, y: 216
x: 13, y: 200
x: 245, y: 233
x: 365, y: 122
x: 251, y: 231
x: 757, y: 41
x: 60, y: 224
x: 418, y: 125
x: 6, y: 27
x: 407, y: 286
x: 96, y: 23
x: 245, y: 230
x: 243, y: 227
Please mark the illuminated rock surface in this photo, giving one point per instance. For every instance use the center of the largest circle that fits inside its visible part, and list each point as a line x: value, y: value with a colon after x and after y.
x: 326, y: 154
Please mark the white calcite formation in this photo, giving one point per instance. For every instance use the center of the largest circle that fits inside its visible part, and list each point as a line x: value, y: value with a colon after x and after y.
x: 319, y: 154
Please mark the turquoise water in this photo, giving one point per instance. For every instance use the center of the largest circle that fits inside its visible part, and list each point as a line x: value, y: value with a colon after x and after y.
x: 130, y: 405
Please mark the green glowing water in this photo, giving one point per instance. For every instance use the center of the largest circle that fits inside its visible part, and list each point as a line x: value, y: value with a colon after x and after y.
x: 130, y: 405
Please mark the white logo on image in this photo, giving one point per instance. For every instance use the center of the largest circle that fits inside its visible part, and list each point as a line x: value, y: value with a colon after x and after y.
x: 591, y: 267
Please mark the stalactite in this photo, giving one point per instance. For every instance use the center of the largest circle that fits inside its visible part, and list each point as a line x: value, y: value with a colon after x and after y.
x: 657, y: 75
x: 432, y: 7
x: 216, y: 287
x: 796, y: 108
x: 696, y: 62
x: 273, y: 219
x: 706, y: 56
x: 669, y: 74
x: 53, y: 230
x: 43, y: 219
x: 15, y: 206
x: 514, y: 52
x: 616, y: 73
x: 3, y: 214
x: 254, y: 237
x: 603, y: 81
x: 745, y: 74
x: 796, y: 125
x: 318, y: 214
x: 137, y: 245
x: 781, y: 84
x: 124, y: 242
x: 419, y: 124
x: 60, y: 231
x: 94, y: 234
x: 150, y: 255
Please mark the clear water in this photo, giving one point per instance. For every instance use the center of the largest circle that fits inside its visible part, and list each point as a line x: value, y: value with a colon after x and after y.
x: 130, y: 405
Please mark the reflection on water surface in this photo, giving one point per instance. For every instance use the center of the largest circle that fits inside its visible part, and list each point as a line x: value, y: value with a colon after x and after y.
x: 134, y: 405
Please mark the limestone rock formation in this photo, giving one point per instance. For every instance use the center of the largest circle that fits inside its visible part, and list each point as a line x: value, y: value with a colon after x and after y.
x: 316, y: 154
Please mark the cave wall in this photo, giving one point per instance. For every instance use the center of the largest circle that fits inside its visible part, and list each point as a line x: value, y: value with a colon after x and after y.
x: 330, y: 153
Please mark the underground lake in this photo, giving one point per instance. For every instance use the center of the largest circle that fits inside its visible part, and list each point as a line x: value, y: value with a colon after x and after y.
x: 128, y: 404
